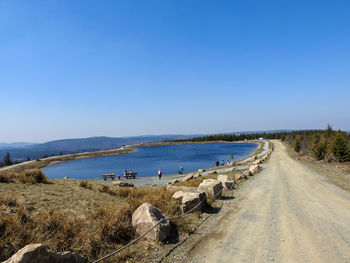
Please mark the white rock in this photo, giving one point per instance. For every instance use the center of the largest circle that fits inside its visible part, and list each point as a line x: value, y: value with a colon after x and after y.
x: 197, y: 175
x: 188, y: 199
x: 38, y: 253
x: 188, y: 177
x: 175, y: 181
x: 254, y: 168
x: 226, y: 181
x: 211, y: 187
x: 147, y: 216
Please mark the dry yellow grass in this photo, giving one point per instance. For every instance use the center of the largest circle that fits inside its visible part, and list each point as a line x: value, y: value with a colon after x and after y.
x: 67, y: 216
x: 23, y: 176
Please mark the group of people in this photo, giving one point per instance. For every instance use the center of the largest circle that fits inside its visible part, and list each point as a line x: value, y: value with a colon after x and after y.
x: 222, y: 163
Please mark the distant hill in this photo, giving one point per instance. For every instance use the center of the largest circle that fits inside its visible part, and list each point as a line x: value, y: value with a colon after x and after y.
x: 15, y: 144
x: 20, y: 151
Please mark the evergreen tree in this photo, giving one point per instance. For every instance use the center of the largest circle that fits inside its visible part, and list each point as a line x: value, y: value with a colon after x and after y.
x: 329, y: 131
x: 7, y: 159
x: 340, y: 150
x: 297, y: 145
x: 318, y: 148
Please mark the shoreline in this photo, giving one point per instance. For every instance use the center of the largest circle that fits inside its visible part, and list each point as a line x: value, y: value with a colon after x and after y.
x: 34, y: 164
x: 150, y: 181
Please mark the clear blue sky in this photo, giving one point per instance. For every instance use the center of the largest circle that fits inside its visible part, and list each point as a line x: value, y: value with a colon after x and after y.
x: 118, y: 68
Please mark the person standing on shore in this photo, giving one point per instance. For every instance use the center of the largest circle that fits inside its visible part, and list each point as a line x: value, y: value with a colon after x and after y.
x: 159, y: 174
x: 181, y: 170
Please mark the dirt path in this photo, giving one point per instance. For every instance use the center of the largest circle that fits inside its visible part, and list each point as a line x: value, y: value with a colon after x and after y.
x: 287, y: 213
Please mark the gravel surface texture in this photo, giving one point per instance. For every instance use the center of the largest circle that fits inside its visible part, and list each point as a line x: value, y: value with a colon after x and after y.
x: 286, y: 213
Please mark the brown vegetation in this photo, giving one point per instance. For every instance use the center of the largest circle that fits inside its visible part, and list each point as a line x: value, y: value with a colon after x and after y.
x: 25, y: 176
x: 96, y: 233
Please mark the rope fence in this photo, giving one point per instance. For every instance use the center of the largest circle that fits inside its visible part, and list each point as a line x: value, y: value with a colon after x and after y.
x: 161, y: 221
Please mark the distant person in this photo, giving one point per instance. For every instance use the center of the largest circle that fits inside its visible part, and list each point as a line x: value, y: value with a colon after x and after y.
x: 125, y: 171
x: 181, y: 170
x: 217, y: 163
x: 159, y: 174
x: 227, y: 162
x: 222, y: 162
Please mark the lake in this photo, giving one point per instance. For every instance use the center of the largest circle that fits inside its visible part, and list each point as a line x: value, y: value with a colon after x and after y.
x: 147, y: 160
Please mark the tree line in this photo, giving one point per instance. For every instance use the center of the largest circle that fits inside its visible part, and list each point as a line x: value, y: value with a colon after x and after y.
x: 328, y: 144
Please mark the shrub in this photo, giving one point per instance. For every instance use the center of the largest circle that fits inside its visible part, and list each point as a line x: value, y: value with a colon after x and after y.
x: 85, y: 184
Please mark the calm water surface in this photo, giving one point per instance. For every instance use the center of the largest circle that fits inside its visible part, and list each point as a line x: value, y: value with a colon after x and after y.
x: 147, y: 160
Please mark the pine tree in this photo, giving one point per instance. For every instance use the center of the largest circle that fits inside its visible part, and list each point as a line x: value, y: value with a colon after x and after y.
x: 297, y: 145
x: 340, y: 150
x: 329, y: 131
x: 7, y: 159
x: 318, y: 148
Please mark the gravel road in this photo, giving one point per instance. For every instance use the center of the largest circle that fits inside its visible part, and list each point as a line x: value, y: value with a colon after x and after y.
x: 286, y: 213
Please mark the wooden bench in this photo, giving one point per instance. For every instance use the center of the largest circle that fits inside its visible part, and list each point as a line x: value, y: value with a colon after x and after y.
x: 130, y: 175
x: 105, y: 176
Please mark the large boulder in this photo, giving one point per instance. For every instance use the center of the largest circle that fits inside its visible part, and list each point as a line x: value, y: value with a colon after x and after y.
x: 188, y: 177
x: 238, y: 177
x: 226, y: 181
x: 211, y: 187
x: 38, y: 253
x: 123, y: 184
x: 255, y: 157
x: 246, y: 173
x: 258, y: 161
x: 178, y: 187
x: 253, y: 169
x: 188, y: 199
x: 147, y: 216
x: 197, y: 175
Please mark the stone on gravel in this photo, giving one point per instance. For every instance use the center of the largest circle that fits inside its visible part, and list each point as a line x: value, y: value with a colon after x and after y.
x: 238, y: 176
x: 188, y: 177
x: 255, y: 157
x: 212, y: 187
x: 38, y: 253
x: 246, y: 174
x: 253, y: 169
x: 147, y: 216
x: 258, y: 161
x: 188, y: 199
x: 226, y: 181
x: 123, y: 184
x: 212, y: 173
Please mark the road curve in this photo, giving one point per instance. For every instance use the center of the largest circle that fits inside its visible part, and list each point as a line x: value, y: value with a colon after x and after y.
x: 288, y: 213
